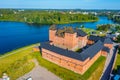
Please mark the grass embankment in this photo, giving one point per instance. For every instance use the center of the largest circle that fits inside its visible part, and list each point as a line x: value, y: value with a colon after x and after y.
x: 92, y: 31
x: 16, y: 63
x: 97, y: 73
x: 89, y: 31
x: 76, y: 21
x: 117, y: 63
x: 66, y: 74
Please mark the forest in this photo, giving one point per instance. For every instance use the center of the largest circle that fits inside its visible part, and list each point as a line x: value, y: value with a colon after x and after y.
x: 44, y: 16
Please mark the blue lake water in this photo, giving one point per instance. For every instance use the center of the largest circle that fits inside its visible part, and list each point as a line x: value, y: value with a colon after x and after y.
x: 14, y: 35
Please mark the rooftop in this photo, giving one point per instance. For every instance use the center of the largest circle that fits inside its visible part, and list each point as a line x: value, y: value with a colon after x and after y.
x: 61, y: 32
x: 80, y: 32
x: 88, y: 53
x: 106, y: 49
x: 53, y: 27
x: 108, y: 41
x: 96, y: 38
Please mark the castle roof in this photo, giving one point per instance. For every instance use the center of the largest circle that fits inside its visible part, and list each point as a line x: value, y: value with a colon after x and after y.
x: 80, y: 32
x: 61, y: 32
x: 96, y: 38
x: 92, y: 50
x: 88, y: 53
x: 106, y: 49
x: 108, y: 41
x: 53, y: 27
x: 105, y: 40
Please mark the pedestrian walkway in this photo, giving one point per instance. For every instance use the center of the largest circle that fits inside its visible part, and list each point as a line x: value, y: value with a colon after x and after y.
x: 108, y: 58
x: 109, y: 63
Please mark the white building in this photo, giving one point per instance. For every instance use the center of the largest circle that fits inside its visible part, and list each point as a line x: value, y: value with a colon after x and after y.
x: 5, y: 77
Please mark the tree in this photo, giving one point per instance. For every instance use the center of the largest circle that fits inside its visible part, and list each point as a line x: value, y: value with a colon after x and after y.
x: 118, y: 39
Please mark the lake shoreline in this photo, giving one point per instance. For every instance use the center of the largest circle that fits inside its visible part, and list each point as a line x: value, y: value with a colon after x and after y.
x: 50, y: 23
x: 14, y: 50
x: 14, y: 35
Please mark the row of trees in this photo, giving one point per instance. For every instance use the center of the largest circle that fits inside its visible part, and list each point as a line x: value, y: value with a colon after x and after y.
x: 104, y: 27
x: 44, y: 17
x: 116, y: 19
x: 112, y: 28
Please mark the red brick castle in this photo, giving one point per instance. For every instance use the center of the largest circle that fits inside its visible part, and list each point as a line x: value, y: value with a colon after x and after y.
x: 61, y: 49
x: 68, y: 38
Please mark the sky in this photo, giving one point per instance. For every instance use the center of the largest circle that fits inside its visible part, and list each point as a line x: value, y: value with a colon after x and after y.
x: 61, y: 4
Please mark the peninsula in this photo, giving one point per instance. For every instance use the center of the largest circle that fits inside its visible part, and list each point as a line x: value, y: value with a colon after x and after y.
x: 44, y: 17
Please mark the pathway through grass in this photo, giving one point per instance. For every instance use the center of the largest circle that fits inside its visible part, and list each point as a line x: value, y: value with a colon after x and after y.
x: 18, y: 62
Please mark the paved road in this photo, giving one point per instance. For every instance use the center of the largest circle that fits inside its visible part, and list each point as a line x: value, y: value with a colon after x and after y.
x: 109, y: 64
x: 39, y: 73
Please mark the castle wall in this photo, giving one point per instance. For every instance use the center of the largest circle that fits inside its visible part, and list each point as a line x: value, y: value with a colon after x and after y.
x: 70, y: 63
x: 82, y: 41
x: 59, y: 41
x: 108, y: 45
x: 104, y: 53
x: 66, y: 62
x: 91, y: 61
x: 90, y: 42
x: 52, y: 35
x: 69, y: 41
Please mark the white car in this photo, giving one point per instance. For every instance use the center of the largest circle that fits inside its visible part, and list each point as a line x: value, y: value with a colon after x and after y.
x: 29, y: 78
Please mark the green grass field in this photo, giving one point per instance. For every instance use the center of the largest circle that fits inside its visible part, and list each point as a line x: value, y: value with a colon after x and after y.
x: 98, y: 71
x: 117, y: 63
x: 18, y: 62
x: 89, y: 31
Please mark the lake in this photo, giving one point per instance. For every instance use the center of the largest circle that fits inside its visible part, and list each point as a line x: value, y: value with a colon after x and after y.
x: 14, y: 35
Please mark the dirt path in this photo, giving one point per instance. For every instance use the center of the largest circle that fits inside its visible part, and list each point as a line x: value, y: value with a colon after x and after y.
x: 39, y: 73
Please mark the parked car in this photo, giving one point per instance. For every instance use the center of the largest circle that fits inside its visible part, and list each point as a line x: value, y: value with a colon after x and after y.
x: 30, y: 78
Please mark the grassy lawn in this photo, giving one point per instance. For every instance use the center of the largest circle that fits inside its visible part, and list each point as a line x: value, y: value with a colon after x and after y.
x: 97, y: 73
x: 117, y: 63
x: 66, y: 74
x: 17, y: 62
x: 89, y: 31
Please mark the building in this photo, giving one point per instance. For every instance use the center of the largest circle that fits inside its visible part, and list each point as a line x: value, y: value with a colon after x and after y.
x: 36, y: 49
x: 5, y: 77
x: 68, y: 38
x: 61, y: 49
